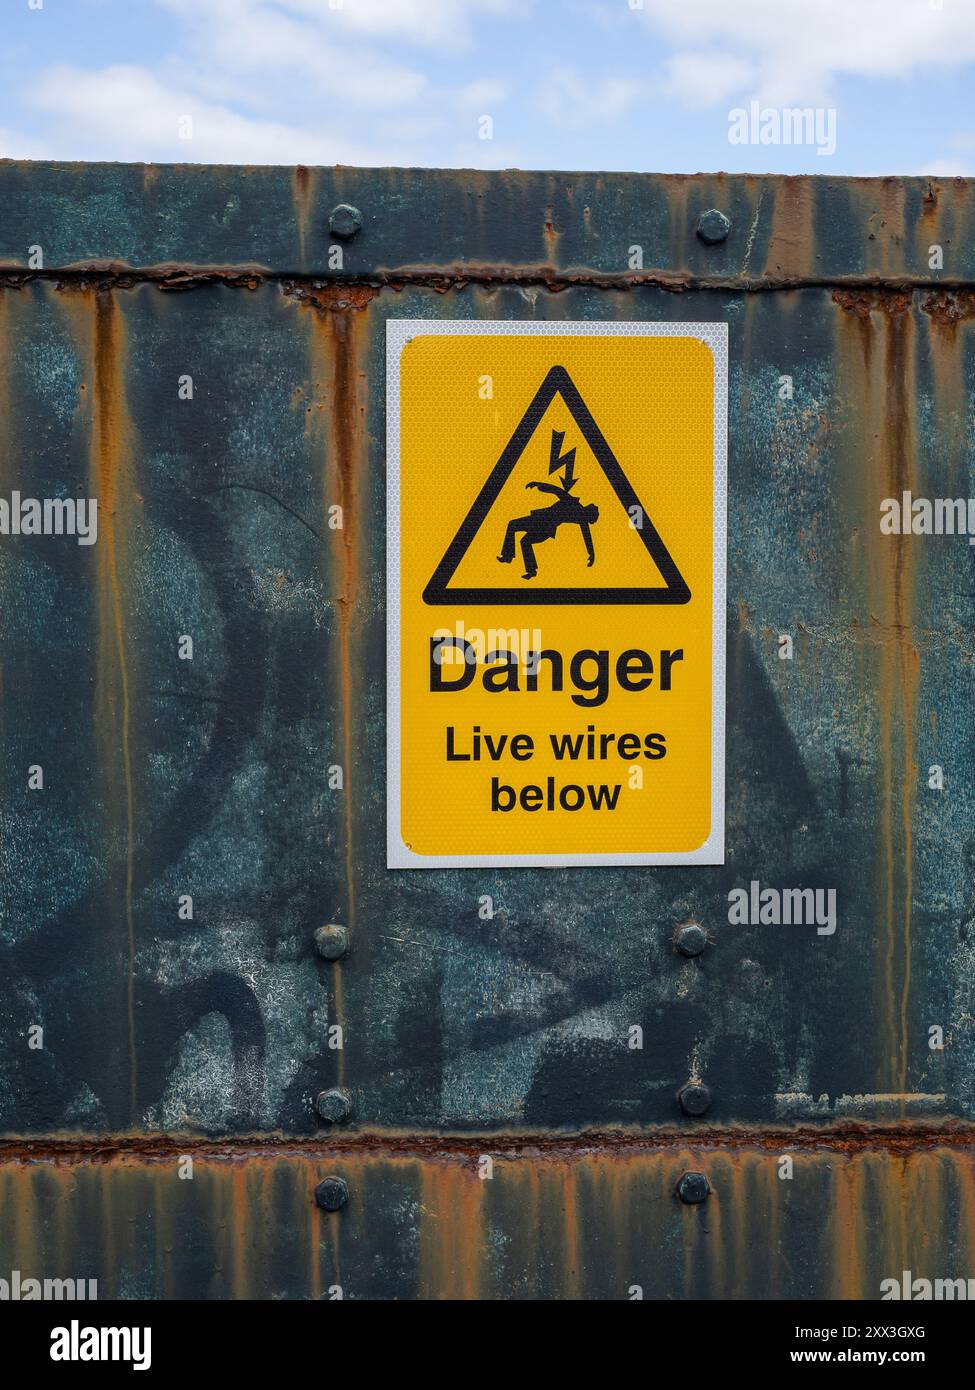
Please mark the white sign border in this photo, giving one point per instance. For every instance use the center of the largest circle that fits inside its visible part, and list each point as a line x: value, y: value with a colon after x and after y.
x: 398, y: 334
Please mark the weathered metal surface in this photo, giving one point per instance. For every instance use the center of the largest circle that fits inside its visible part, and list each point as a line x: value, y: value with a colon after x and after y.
x: 210, y: 777
x: 562, y: 1225
x: 429, y: 223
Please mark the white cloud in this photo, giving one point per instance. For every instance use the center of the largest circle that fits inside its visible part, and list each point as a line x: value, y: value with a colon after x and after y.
x: 799, y: 47
x: 959, y: 165
x: 125, y: 112
x: 373, y: 81
x: 15, y: 145
x: 700, y: 78
x: 570, y: 100
x: 482, y: 95
x: 430, y: 23
x: 285, y: 83
x: 956, y: 168
x: 245, y: 38
x: 438, y: 23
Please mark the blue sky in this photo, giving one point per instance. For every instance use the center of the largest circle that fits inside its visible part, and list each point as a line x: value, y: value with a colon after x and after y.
x: 565, y: 84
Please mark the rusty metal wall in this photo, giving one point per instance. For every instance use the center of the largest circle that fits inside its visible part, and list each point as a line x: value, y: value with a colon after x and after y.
x: 463, y: 1038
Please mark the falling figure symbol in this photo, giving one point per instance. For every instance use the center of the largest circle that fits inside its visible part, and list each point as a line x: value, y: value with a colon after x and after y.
x: 542, y: 524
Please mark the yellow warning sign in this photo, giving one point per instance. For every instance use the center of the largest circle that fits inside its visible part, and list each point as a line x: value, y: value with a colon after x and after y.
x: 556, y: 557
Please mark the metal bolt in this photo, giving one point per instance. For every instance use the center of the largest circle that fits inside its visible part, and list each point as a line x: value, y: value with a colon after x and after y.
x: 693, y: 1188
x: 691, y: 939
x: 694, y: 1098
x: 345, y: 220
x: 713, y: 227
x: 332, y: 941
x: 334, y: 1106
x: 331, y: 1194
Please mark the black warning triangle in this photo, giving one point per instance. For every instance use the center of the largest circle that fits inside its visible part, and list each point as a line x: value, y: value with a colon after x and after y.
x: 557, y: 382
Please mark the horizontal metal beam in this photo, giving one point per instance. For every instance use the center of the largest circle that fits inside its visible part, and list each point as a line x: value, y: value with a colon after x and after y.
x: 170, y: 276
x: 540, y: 226
x: 433, y: 1146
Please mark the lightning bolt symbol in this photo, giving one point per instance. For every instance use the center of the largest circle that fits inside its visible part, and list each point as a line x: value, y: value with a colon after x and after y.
x: 559, y: 460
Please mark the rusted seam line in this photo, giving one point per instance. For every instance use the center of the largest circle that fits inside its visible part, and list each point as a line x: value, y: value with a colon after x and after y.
x: 849, y: 1139
x: 175, y: 277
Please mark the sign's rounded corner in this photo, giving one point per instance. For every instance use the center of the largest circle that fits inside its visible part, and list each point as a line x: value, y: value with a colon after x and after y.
x: 703, y: 340
x: 398, y: 854
x: 712, y: 849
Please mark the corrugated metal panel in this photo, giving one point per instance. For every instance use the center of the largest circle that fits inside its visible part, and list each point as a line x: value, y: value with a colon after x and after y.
x: 602, y: 1223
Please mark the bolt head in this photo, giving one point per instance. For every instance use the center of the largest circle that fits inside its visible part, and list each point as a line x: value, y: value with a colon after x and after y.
x: 331, y: 1194
x: 713, y: 227
x: 694, y: 1098
x: 691, y: 939
x: 334, y: 1106
x: 344, y: 220
x: 693, y: 1188
x: 331, y: 941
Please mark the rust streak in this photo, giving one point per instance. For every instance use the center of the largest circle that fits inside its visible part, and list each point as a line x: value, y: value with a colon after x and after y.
x: 337, y: 396
x: 847, y: 1230
x: 6, y: 452
x: 453, y: 1247
x: 443, y: 278
x: 336, y: 316
x: 851, y: 1138
x: 791, y: 236
x: 302, y: 202
x: 900, y: 458
x: 889, y: 449
x: 109, y: 461
x: 344, y: 429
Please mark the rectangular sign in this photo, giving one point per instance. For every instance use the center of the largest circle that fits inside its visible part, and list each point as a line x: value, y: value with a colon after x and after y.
x: 556, y: 593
